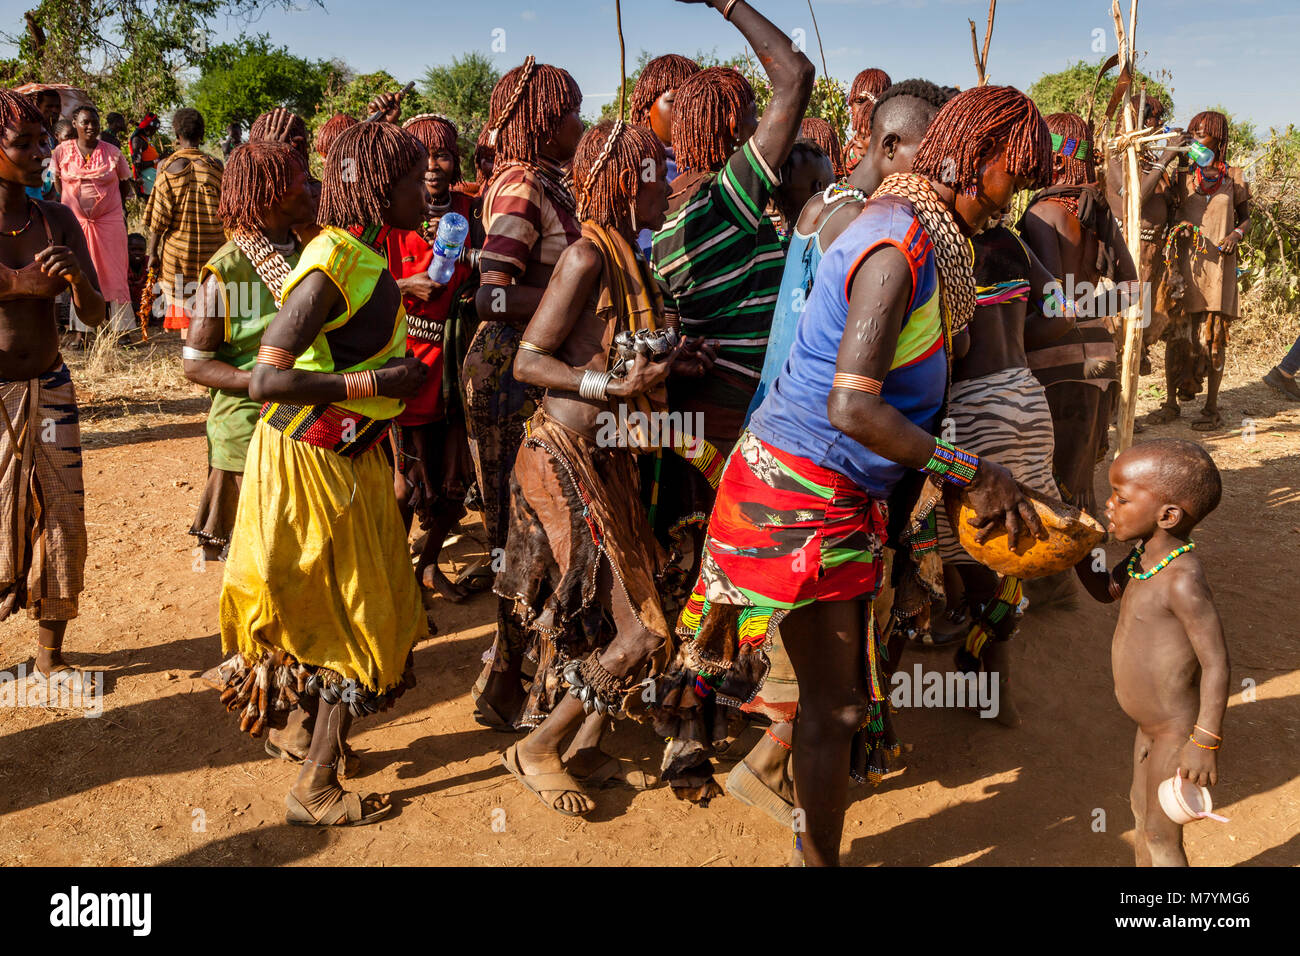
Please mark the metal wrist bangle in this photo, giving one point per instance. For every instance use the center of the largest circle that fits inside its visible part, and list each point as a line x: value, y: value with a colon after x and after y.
x: 594, y: 385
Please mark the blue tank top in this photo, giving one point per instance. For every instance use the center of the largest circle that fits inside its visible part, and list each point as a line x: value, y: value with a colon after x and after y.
x: 793, y: 416
x: 801, y: 261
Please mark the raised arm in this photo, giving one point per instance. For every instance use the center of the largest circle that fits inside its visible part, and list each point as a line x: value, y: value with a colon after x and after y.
x: 207, y: 332
x: 789, y: 71
x: 310, y: 304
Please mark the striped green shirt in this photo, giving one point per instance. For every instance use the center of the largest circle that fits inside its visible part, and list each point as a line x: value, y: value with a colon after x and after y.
x: 720, y: 261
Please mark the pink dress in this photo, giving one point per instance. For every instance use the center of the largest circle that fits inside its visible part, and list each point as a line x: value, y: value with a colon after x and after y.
x: 91, y: 191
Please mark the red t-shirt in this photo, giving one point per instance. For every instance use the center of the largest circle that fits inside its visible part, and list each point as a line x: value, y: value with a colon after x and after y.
x: 409, y: 254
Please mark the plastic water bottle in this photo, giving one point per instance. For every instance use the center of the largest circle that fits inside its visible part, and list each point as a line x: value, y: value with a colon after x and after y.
x: 452, y: 230
x: 1199, y: 154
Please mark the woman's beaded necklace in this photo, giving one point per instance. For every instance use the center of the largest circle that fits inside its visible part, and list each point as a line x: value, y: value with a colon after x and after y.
x: 1137, y: 552
x: 25, y: 226
x: 1207, y: 185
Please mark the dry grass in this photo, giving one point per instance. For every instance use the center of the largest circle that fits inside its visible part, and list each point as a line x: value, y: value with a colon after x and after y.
x: 128, y: 387
x: 1264, y: 331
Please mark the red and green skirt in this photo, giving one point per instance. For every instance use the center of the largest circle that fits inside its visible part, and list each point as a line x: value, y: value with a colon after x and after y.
x: 784, y: 532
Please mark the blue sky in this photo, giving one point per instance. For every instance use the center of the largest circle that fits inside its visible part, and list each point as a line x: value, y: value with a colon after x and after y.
x: 1240, y: 53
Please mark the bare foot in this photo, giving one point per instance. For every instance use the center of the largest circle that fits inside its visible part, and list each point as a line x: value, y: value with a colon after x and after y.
x: 1208, y: 421
x: 1165, y: 414
x: 432, y: 579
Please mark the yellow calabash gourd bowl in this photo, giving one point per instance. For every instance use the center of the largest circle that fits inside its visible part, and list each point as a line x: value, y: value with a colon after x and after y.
x: 1071, y: 534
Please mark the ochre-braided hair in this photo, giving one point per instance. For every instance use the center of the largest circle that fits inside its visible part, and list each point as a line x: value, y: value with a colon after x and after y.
x: 707, y: 105
x: 527, y: 114
x: 17, y: 109
x: 330, y: 129
x: 660, y: 75
x: 257, y: 176
x: 978, y: 121
x: 364, y: 163
x: 867, y: 86
x: 1210, y: 123
x: 1154, y: 106
x: 607, y: 175
x: 827, y: 139
x: 1075, y: 171
x: 281, y: 126
x: 436, y: 133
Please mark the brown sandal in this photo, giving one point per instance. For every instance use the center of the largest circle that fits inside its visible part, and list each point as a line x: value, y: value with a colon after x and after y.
x: 344, y: 812
x: 539, y: 783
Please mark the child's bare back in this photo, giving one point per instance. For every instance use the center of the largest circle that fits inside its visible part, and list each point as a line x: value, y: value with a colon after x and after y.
x: 1168, y: 655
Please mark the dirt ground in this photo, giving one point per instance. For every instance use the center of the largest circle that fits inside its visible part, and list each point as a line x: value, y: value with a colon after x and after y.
x: 163, y: 777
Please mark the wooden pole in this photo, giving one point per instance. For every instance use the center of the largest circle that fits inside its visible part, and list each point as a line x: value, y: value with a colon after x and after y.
x: 817, y: 30
x: 623, y: 61
x: 982, y: 57
x: 988, y: 35
x: 1131, y: 363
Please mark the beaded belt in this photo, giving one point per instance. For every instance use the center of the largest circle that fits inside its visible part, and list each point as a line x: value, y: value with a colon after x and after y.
x: 424, y: 329
x: 341, y: 430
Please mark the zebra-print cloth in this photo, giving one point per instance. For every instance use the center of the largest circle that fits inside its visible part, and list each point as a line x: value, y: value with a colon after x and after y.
x: 1004, y: 417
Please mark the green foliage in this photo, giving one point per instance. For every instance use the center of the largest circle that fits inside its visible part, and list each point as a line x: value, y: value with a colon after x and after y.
x: 127, y: 54
x: 1270, y: 253
x: 241, y: 80
x: 351, y: 94
x: 1069, y: 90
x: 1242, y: 138
x: 461, y: 91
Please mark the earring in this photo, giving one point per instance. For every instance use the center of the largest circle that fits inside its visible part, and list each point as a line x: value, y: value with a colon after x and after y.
x: 969, y: 191
x: 631, y: 208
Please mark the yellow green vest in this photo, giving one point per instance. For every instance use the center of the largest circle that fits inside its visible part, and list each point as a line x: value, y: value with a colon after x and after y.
x: 354, y: 268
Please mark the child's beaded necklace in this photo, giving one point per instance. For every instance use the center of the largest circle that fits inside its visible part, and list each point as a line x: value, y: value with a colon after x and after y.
x: 1137, y: 552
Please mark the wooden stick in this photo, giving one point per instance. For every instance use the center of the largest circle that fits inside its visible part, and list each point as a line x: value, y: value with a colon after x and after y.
x: 825, y: 72
x: 622, y: 61
x: 988, y: 35
x: 975, y: 51
x: 982, y: 57
x: 1131, y: 364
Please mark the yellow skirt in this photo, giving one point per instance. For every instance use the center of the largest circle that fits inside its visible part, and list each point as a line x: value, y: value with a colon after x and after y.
x: 318, y: 563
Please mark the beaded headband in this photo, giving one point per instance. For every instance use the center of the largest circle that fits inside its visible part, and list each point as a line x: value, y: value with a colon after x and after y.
x: 602, y: 157
x: 1069, y: 146
x: 432, y: 116
x: 524, y: 76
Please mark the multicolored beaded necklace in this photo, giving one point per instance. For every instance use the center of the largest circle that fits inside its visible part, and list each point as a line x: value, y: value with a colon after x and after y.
x: 1207, y: 186
x: 1171, y: 241
x: 1137, y: 553
x: 842, y: 190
